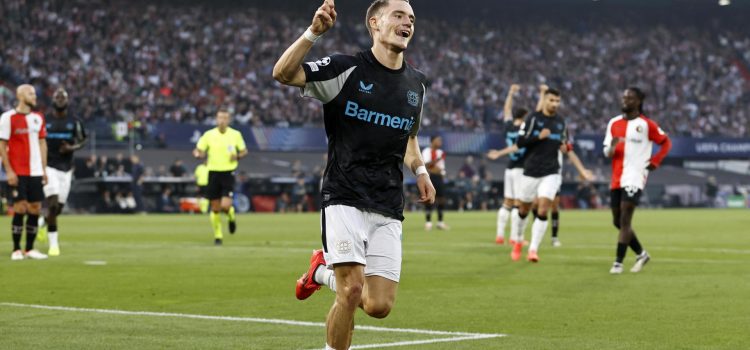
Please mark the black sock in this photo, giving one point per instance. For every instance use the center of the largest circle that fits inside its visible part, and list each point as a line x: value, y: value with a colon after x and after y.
x: 555, y: 223
x: 52, y: 228
x: 428, y: 212
x: 622, y: 248
x: 522, y: 216
x: 32, y: 224
x: 17, y: 230
x: 636, y: 245
x: 440, y: 212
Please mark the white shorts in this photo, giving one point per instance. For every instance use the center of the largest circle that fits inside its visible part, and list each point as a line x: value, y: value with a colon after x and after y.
x: 542, y: 187
x: 58, y: 184
x: 511, y: 184
x: 371, y: 239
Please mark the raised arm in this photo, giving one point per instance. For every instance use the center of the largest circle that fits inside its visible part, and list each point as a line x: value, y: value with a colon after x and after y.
x: 288, y: 69
x: 508, y: 108
x: 542, y: 90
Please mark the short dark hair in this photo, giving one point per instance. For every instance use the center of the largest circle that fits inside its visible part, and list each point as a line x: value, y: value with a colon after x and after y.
x: 641, y: 96
x: 374, y: 8
x: 552, y: 91
x: 433, y: 137
x: 520, y: 113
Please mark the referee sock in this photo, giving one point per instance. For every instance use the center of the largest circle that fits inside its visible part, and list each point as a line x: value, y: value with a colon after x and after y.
x: 555, y: 223
x: 325, y: 276
x: 216, y: 224
x: 502, y: 220
x: 230, y: 213
x: 52, y: 235
x: 538, y: 229
x: 17, y: 230
x: 32, y: 226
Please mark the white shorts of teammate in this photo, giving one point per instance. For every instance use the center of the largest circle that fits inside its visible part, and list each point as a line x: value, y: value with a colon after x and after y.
x: 512, y: 183
x: 546, y: 187
x: 58, y: 184
x: 371, y: 239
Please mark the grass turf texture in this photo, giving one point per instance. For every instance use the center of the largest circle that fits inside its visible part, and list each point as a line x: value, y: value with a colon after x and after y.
x: 692, y: 295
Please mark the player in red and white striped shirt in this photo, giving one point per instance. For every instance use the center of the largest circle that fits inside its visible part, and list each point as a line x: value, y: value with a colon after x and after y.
x: 23, y: 149
x: 629, y: 142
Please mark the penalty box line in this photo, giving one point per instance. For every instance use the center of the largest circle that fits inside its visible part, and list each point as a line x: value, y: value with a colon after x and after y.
x: 454, y: 336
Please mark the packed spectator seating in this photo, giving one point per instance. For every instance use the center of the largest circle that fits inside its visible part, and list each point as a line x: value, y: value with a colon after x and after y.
x: 172, y: 61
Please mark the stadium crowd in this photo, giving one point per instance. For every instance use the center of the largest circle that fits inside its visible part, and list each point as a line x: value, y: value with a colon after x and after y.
x: 149, y: 62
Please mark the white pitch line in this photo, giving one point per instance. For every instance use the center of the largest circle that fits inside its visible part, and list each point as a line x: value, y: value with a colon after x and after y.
x: 426, y: 341
x: 458, y: 336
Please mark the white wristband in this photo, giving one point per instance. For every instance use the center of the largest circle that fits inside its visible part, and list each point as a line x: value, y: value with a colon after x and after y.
x: 420, y: 170
x: 310, y: 36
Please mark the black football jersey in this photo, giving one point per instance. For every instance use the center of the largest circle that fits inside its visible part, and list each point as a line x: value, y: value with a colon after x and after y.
x: 369, y: 112
x: 59, y: 130
x: 541, y: 158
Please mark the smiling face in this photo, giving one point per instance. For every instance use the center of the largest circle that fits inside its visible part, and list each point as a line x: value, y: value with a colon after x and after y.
x: 391, y: 23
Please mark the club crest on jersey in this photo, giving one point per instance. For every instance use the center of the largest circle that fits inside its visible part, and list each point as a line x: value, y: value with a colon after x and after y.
x: 365, y: 88
x: 412, y: 97
x: 639, y: 128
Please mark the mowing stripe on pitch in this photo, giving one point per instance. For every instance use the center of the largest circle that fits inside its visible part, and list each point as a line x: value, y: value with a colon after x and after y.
x: 455, y: 336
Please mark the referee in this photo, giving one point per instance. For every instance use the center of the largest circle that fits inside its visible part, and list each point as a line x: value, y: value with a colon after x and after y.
x: 223, y: 146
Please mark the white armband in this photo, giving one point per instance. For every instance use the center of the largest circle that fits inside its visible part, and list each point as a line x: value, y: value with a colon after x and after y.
x: 310, y: 36
x: 420, y: 170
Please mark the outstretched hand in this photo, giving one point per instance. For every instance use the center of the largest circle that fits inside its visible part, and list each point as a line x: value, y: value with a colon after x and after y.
x: 324, y: 18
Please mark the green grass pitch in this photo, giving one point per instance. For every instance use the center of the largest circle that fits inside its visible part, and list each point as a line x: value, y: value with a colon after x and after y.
x: 694, y: 294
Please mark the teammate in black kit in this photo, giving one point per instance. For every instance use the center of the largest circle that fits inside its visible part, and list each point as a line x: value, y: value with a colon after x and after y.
x: 372, y: 104
x: 65, y: 135
x: 513, y: 171
x: 544, y: 134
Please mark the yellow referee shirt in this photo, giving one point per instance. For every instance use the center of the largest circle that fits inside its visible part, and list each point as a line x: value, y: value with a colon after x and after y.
x: 220, y: 147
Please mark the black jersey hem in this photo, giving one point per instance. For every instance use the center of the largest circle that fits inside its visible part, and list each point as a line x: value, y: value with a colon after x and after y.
x: 366, y: 207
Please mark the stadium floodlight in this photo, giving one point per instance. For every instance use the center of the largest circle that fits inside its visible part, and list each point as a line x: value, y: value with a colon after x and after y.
x: 725, y: 2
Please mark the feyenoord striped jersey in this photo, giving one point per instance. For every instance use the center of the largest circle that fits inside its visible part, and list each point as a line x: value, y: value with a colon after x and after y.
x: 633, y: 154
x: 23, y: 131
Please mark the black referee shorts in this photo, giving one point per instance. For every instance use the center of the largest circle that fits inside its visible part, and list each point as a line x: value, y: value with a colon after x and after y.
x: 203, y: 191
x: 437, y: 182
x: 629, y: 194
x: 30, y: 188
x: 220, y: 184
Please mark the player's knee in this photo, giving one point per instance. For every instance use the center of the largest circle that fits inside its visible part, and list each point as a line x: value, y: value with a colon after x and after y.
x: 349, y: 296
x: 54, y: 209
x: 377, y: 308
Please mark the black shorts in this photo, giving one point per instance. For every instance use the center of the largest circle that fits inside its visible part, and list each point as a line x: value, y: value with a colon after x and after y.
x: 630, y: 194
x: 30, y: 188
x: 220, y: 184
x: 437, y: 182
x: 203, y: 191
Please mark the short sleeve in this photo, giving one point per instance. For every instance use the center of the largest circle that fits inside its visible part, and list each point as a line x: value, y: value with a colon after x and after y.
x: 324, y: 78
x: 203, y: 143
x: 417, y: 123
x: 240, y: 141
x: 43, y: 129
x: 5, y: 127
